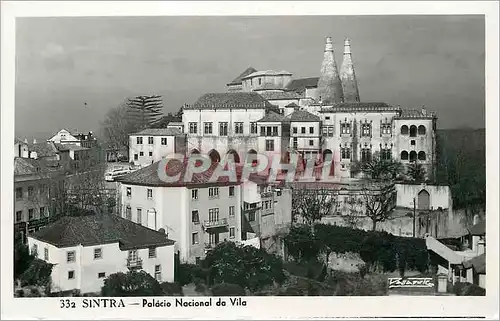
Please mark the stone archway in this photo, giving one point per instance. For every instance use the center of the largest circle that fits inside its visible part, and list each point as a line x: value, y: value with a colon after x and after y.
x: 424, y: 200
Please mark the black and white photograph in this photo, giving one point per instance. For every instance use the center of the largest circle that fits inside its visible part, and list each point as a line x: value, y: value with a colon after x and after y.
x: 200, y: 165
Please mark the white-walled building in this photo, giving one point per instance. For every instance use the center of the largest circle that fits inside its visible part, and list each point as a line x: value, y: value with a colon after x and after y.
x: 152, y: 144
x: 64, y: 137
x: 86, y: 249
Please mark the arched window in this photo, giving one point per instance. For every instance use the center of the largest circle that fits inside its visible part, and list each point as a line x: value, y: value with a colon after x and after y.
x: 421, y: 130
x: 413, y: 131
x: 404, y: 155
x: 413, y: 156
x: 404, y: 130
x: 421, y: 156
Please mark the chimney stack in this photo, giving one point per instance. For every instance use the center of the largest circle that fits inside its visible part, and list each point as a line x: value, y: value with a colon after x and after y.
x: 348, y: 76
x: 329, y: 83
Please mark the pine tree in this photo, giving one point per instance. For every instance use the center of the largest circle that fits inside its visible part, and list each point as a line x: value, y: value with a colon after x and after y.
x: 145, y: 111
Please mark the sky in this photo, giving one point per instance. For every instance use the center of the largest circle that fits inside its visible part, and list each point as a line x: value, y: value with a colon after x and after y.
x: 64, y: 63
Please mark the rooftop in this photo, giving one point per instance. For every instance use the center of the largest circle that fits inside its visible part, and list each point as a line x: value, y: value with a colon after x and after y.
x: 29, y: 166
x: 43, y: 149
x: 478, y: 263
x: 159, y: 131
x: 302, y: 116
x: 280, y: 95
x: 299, y: 85
x: 271, y: 117
x: 237, y: 80
x: 479, y: 229
x: 70, y: 147
x: 360, y: 107
x: 414, y: 113
x: 231, y: 100
x: 96, y: 229
x: 267, y: 73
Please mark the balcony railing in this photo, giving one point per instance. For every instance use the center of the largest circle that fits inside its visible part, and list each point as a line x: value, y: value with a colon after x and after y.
x: 214, y: 224
x: 134, y: 263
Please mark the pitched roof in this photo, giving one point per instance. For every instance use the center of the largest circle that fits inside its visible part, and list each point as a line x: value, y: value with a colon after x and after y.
x: 292, y: 104
x: 414, y: 113
x: 237, y: 80
x: 478, y: 263
x: 281, y: 95
x: 98, y: 229
x: 158, y: 132
x: 479, y: 229
x: 29, y: 166
x: 69, y: 147
x: 360, y: 107
x: 302, y: 116
x: 299, y: 85
x: 267, y: 73
x: 271, y: 117
x: 231, y: 100
x: 43, y: 149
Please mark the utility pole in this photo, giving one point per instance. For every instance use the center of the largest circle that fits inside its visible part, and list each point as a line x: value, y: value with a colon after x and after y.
x: 414, y: 216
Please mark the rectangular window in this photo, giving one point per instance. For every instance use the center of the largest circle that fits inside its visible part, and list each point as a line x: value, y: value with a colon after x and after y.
x: 19, y: 216
x: 269, y: 145
x: 194, y: 238
x: 139, y: 216
x: 231, y: 190
x: 195, y: 217
x: 197, y: 260
x: 128, y: 213
x: 366, y: 155
x: 150, y: 193
x: 71, y: 275
x: 207, y: 128
x: 238, y: 128
x: 327, y: 118
x: 262, y: 131
x: 295, y: 130
x: 31, y: 214
x: 223, y: 129
x: 101, y: 275
x: 231, y: 210
x: 365, y: 130
x: 30, y: 191
x: 303, y: 130
x: 129, y: 191
x: 253, y: 128
x: 76, y: 156
x: 70, y: 256
x: 385, y: 129
x: 150, y: 140
x: 325, y: 131
x: 231, y: 232
x: 158, y: 273
x: 42, y: 212
x: 132, y: 256
x: 136, y: 157
x: 141, y: 153
x: 46, y: 254
x: 213, y: 192
x: 251, y: 216
x: 164, y: 140
x: 193, y: 128
x: 345, y: 128
x: 150, y: 154
x: 194, y: 194
x: 139, y: 140
x: 269, y: 131
x: 34, y: 250
x: 152, y: 252
x: 311, y: 142
x: 97, y: 254
x: 345, y: 153
x: 19, y: 193
x: 311, y: 130
x: 295, y: 143
x: 275, y: 130
x: 213, y: 214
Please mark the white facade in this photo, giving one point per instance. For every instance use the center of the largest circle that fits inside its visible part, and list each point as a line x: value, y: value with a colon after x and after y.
x: 174, y: 209
x: 87, y: 273
x: 306, y: 137
x: 148, y: 149
x: 64, y: 137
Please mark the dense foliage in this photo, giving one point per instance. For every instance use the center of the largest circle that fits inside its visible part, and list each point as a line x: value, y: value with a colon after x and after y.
x: 468, y: 289
x: 38, y: 274
x: 245, y: 266
x: 228, y: 289
x: 188, y: 273
x: 380, y: 250
x: 131, y: 284
x: 22, y: 256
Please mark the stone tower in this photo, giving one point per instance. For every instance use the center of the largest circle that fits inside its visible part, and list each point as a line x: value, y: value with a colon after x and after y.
x: 329, y: 84
x: 348, y: 76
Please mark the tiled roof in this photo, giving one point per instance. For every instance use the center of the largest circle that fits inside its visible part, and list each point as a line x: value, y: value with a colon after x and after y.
x: 299, y: 85
x: 159, y: 132
x: 479, y: 263
x: 267, y: 73
x: 271, y: 117
x: 294, y: 105
x: 231, y: 100
x: 237, y: 80
x: 280, y: 95
x: 414, y: 113
x: 302, y: 116
x: 479, y: 229
x: 359, y: 107
x: 98, y: 229
x: 43, y: 149
x: 268, y: 86
x: 29, y: 166
x: 70, y: 147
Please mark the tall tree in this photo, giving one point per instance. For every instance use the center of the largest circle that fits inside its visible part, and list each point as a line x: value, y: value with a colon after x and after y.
x: 379, y: 201
x: 117, y: 126
x: 312, y: 204
x: 145, y: 110
x: 378, y: 167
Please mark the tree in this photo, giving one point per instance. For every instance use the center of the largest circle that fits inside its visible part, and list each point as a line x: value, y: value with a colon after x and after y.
x: 378, y: 167
x: 312, y: 204
x: 22, y: 256
x: 117, y: 126
x: 352, y: 212
x: 132, y: 283
x: 416, y: 172
x: 245, y: 266
x: 145, y: 111
x: 379, y: 201
x: 228, y: 289
x: 301, y: 243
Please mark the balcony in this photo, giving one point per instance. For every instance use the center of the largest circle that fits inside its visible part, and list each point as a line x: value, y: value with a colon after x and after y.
x: 215, y: 224
x: 266, y: 194
x: 134, y: 263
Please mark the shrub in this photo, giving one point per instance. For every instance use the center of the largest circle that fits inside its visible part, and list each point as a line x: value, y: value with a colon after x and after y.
x: 37, y: 274
x: 468, y: 289
x: 35, y: 292
x: 20, y: 293
x: 187, y: 273
x: 131, y: 284
x: 171, y: 289
x: 200, y: 288
x: 228, y: 289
